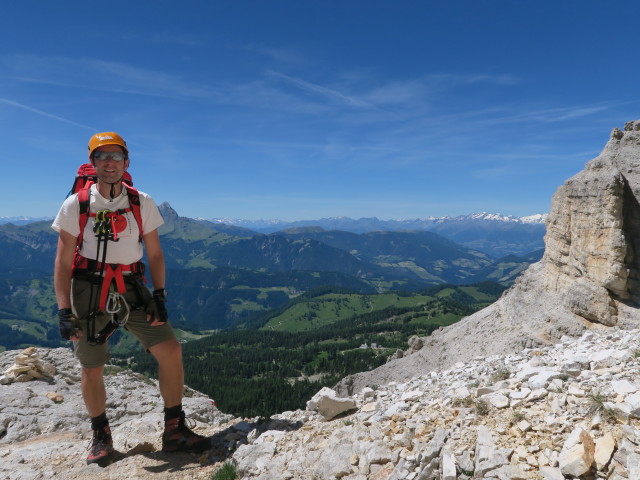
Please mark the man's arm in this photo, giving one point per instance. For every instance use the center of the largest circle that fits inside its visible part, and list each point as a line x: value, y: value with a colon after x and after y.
x: 156, y: 259
x: 156, y: 265
x: 62, y: 284
x: 62, y: 269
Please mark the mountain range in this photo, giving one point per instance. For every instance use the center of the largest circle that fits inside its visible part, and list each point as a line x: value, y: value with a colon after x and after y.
x: 494, y: 234
x: 220, y: 274
x: 367, y: 224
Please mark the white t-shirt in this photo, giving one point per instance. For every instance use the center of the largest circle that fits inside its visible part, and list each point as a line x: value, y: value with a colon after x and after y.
x: 126, y: 249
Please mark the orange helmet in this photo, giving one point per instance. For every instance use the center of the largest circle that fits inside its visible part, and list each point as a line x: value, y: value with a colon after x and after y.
x: 106, y: 138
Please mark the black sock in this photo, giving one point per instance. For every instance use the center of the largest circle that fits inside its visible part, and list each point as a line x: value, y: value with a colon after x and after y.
x: 100, y: 421
x: 172, y: 412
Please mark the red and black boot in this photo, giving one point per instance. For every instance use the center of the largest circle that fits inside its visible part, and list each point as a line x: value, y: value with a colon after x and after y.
x: 177, y: 437
x: 101, y: 445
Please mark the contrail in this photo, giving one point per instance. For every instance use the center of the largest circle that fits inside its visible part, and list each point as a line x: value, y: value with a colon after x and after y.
x: 44, y: 114
x: 319, y: 89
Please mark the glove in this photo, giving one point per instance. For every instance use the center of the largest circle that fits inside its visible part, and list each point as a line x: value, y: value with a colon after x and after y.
x: 156, y: 308
x: 66, y: 320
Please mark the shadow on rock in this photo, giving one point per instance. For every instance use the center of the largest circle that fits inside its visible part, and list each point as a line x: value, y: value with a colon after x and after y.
x: 227, y: 441
x: 224, y: 444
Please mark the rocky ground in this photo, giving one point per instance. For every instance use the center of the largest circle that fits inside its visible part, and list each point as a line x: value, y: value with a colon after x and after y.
x: 569, y: 410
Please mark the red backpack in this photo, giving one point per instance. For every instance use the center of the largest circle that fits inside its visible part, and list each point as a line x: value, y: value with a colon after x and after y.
x: 85, y: 177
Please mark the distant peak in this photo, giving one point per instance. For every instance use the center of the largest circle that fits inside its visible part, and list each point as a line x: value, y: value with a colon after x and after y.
x: 167, y: 212
x: 498, y: 217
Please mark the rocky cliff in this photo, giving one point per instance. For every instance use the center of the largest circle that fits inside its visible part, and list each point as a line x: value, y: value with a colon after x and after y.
x: 588, y: 277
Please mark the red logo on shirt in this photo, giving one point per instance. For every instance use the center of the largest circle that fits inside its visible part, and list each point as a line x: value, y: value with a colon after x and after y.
x: 119, y: 223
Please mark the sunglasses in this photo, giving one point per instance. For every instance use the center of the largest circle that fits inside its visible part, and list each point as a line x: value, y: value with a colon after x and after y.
x: 116, y: 156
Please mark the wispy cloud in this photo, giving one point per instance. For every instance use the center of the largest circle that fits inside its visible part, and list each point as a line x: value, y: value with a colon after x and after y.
x: 165, y: 38
x: 44, y: 114
x: 100, y: 75
x: 280, y: 54
x: 562, y: 114
x: 325, y: 92
x: 450, y: 79
x: 184, y: 39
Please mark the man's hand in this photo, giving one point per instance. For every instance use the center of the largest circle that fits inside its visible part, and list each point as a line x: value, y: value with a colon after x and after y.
x: 68, y: 328
x: 156, y: 311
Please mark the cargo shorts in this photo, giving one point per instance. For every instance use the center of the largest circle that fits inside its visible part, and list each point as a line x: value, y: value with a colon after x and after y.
x: 137, y: 297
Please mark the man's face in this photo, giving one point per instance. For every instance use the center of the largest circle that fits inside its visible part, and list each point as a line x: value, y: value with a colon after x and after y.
x: 108, y: 169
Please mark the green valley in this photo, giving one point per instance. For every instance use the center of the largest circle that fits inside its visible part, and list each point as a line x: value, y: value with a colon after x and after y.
x: 321, y: 337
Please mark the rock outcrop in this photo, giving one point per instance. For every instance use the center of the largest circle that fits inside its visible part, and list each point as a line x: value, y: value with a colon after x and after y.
x: 588, y: 277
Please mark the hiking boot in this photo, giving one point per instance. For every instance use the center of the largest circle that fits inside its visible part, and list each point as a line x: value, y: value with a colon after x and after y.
x: 101, y: 445
x: 178, y: 437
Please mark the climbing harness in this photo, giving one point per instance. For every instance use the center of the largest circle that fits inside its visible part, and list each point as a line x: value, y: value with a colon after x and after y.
x: 110, y: 296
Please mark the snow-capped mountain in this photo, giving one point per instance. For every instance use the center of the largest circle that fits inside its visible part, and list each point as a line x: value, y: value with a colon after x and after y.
x: 497, y: 217
x: 363, y: 225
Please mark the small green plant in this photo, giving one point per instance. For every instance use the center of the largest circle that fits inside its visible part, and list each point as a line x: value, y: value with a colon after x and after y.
x: 636, y: 352
x: 482, y: 407
x: 188, y: 392
x: 144, y: 378
x: 517, y: 416
x: 226, y: 472
x: 466, y: 402
x: 348, y: 423
x: 596, y: 402
x: 501, y: 374
x: 112, y: 370
x: 609, y: 415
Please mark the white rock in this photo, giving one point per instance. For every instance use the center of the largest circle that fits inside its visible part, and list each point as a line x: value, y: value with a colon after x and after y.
x: 604, y: 448
x: 623, y: 386
x: 577, y: 455
x: 448, y: 466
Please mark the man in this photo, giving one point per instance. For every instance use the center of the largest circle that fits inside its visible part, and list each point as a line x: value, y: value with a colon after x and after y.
x: 100, y: 287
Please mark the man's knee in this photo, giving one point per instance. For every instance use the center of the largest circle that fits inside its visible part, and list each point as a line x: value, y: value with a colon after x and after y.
x: 168, y: 349
x: 92, y: 374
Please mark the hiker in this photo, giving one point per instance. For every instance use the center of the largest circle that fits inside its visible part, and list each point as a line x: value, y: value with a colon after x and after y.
x: 98, y: 279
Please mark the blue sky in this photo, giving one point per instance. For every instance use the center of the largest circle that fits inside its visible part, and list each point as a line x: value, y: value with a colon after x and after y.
x: 308, y: 109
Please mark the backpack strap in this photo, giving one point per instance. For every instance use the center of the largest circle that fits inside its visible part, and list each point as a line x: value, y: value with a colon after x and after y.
x: 84, y: 212
x: 134, y: 204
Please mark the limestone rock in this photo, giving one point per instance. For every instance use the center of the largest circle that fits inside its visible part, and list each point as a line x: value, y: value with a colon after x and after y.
x: 329, y: 405
x: 577, y: 455
x: 604, y: 449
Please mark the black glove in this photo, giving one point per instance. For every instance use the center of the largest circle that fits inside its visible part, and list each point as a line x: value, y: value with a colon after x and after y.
x: 66, y: 320
x: 156, y: 308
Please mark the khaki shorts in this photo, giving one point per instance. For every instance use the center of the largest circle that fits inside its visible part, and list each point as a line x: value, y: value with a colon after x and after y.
x: 137, y: 296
